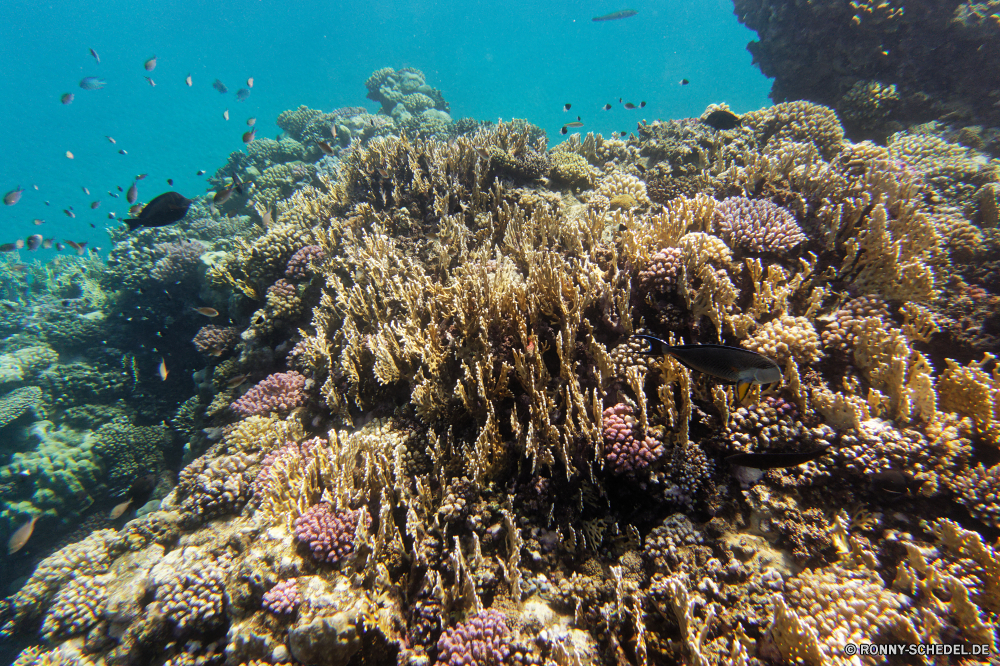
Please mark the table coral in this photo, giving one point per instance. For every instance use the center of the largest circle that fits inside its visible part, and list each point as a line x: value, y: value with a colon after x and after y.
x: 17, y: 402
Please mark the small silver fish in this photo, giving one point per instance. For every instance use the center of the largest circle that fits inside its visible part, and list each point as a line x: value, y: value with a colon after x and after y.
x: 21, y: 536
x: 732, y: 365
x: 119, y: 509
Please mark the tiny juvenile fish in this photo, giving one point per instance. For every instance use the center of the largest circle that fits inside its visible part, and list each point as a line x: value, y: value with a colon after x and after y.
x: 150, y: 64
x: 249, y: 135
x: 119, y: 510
x: 47, y: 243
x: 731, y: 365
x: 123, y: 152
x: 220, y: 86
x: 684, y: 82
x: 208, y: 312
x: 567, y: 106
x: 19, y: 538
x: 187, y: 80
x: 201, y: 172
x: 606, y: 107
x: 70, y: 214
x: 66, y: 98
x: 110, y: 139
x: 13, y: 196
x: 163, y: 369
x: 69, y: 155
x: 94, y: 205
x: 38, y: 221
x: 250, y: 82
x: 775, y: 460
x: 251, y: 122
x: 92, y: 83
x: 242, y: 94
x: 96, y: 57
x: 133, y: 194
x: 614, y: 16
x: 141, y: 176
x: 150, y: 81
x: 225, y: 114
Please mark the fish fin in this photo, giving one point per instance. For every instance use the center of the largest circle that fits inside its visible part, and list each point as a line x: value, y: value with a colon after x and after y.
x: 132, y: 223
x: 742, y: 391
x: 656, y: 346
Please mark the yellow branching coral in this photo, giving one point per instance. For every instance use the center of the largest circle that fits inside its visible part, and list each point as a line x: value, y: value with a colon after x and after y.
x: 971, y: 391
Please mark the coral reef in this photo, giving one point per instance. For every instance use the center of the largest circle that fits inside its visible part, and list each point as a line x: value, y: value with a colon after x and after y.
x: 423, y: 432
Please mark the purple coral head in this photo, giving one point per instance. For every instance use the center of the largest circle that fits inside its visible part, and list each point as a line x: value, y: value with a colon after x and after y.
x: 329, y: 534
x: 757, y: 225
x: 281, y: 392
x: 302, y: 261
x: 624, y: 451
x: 283, y: 598
x: 482, y: 640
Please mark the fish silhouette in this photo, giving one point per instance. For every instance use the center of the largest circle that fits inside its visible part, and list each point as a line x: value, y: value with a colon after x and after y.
x: 161, y: 211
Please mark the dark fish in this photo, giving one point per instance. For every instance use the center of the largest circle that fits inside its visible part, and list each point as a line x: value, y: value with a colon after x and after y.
x: 123, y: 152
x: 564, y: 131
x: 220, y: 86
x: 34, y: 241
x: 66, y: 98
x: 133, y: 194
x: 614, y: 16
x: 92, y: 83
x: 69, y: 213
x: 96, y: 57
x: 8, y: 247
x: 150, y: 64
x: 249, y: 135
x: 684, y: 82
x: 112, y: 194
x: 629, y: 105
x: 606, y: 107
x: 222, y: 196
x: 567, y: 106
x: 94, y: 205
x: 60, y: 247
x: 722, y: 120
x: 325, y: 147
x: 775, y: 460
x: 201, y: 172
x: 170, y: 181
x: 237, y: 183
x: 111, y: 215
x: 731, y: 365
x: 242, y: 94
x: 642, y: 105
x: 161, y: 211
x: 13, y: 196
x: 21, y: 536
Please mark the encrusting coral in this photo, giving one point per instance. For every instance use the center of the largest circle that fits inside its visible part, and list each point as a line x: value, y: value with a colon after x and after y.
x: 430, y: 438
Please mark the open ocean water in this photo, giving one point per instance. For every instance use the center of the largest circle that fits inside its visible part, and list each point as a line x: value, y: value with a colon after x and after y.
x: 495, y: 334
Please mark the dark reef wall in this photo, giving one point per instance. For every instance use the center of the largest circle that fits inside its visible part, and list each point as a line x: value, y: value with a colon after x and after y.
x: 942, y: 56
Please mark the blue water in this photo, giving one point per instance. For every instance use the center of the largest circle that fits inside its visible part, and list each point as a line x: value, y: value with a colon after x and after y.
x: 491, y: 60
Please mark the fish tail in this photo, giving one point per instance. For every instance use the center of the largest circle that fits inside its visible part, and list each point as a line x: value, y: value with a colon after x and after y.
x: 657, y: 346
x: 132, y: 223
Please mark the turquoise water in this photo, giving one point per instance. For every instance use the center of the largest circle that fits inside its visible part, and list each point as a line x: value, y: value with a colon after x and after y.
x: 490, y: 60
